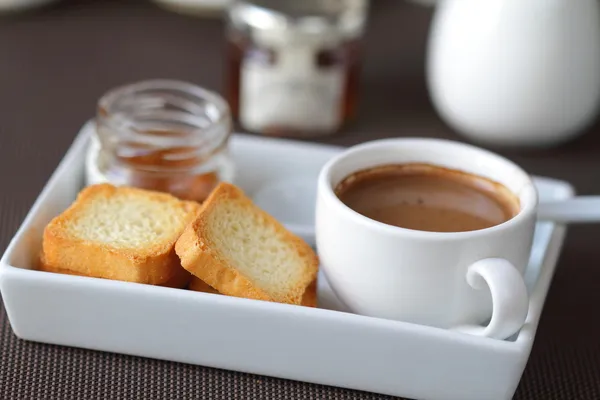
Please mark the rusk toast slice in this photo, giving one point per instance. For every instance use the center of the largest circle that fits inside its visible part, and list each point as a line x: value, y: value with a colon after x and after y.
x: 309, y: 299
x: 240, y: 250
x: 119, y: 233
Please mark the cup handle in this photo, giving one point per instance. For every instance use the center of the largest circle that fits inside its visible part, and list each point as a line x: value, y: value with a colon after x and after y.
x: 510, y: 302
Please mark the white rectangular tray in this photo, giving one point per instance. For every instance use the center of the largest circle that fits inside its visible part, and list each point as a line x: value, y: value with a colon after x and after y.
x: 325, y: 345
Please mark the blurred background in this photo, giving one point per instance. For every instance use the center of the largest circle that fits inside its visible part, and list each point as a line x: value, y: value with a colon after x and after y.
x: 58, y: 59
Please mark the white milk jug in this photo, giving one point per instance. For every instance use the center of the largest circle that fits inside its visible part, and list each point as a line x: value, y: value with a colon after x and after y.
x: 516, y: 72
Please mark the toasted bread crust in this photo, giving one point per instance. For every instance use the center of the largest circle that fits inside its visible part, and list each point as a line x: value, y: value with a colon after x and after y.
x: 309, y: 299
x: 44, y: 266
x: 180, y: 279
x: 198, y: 285
x: 201, y: 257
x: 154, y: 265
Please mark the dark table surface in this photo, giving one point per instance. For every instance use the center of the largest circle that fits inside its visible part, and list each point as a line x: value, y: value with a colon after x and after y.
x: 55, y: 62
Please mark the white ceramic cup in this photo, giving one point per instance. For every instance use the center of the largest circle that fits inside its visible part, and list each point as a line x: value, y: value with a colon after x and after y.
x: 449, y: 280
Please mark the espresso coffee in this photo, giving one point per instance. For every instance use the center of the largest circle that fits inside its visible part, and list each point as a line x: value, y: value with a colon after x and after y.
x: 428, y: 198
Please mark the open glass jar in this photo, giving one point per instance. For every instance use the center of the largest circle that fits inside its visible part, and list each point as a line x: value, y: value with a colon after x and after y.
x: 162, y: 135
x: 294, y: 64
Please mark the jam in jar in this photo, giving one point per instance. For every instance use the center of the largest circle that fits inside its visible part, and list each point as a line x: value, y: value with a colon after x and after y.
x: 162, y: 135
x: 293, y: 66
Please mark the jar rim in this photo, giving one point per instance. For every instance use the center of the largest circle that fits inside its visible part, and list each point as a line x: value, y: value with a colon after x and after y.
x: 132, y: 120
x: 111, y: 96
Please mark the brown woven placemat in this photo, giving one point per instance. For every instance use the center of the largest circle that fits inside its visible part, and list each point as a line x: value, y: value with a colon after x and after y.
x: 53, y: 66
x: 37, y: 371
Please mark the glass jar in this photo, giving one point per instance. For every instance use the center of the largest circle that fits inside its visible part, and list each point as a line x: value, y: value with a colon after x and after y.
x: 162, y: 135
x: 294, y: 65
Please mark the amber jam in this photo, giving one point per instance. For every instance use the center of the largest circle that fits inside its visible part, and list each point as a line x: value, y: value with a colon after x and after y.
x: 166, y: 136
x: 345, y: 58
x: 295, y: 70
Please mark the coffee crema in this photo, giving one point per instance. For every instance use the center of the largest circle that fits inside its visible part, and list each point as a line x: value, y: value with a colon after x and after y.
x: 428, y: 198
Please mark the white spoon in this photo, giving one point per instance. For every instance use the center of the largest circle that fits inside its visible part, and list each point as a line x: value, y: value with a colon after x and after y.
x: 583, y: 209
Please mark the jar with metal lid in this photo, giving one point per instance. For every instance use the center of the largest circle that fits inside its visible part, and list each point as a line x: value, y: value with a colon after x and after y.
x: 294, y: 64
x: 162, y: 135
